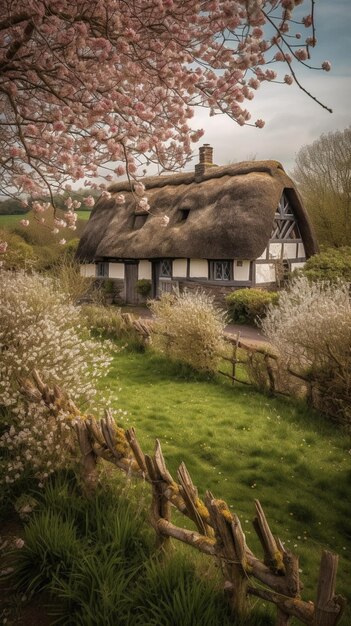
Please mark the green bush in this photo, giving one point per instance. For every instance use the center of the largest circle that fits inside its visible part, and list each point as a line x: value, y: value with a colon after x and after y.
x: 103, y: 320
x: 19, y: 254
x: 248, y: 306
x: 143, y: 287
x: 189, y: 328
x: 331, y: 265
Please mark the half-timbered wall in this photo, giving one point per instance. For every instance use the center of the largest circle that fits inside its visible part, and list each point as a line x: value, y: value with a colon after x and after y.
x: 116, y: 270
x: 88, y: 270
x: 144, y: 270
x: 285, y: 244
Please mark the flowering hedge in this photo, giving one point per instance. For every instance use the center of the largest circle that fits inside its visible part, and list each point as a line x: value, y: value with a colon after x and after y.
x: 40, y: 330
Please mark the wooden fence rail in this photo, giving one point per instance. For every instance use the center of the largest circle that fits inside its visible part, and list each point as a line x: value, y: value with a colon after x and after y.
x: 217, y: 533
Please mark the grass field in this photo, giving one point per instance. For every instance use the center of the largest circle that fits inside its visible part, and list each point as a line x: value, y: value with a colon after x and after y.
x: 242, y: 445
x: 9, y: 221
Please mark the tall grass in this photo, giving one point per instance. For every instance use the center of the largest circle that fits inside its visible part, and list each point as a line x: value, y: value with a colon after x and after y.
x: 95, y: 559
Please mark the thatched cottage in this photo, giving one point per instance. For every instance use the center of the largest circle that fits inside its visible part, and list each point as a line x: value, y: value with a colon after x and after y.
x: 234, y: 226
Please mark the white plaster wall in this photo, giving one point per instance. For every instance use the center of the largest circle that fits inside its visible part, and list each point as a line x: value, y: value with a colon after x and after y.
x: 290, y: 250
x: 265, y: 273
x: 144, y: 270
x: 296, y: 266
x: 275, y: 250
x: 263, y: 255
x: 198, y: 268
x: 179, y: 268
x: 88, y: 269
x: 243, y: 272
x: 301, y: 251
x: 116, y: 270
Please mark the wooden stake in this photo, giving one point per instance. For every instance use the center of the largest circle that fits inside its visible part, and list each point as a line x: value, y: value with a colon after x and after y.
x: 329, y: 607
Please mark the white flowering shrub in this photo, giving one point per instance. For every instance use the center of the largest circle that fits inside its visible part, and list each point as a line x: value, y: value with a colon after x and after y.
x: 190, y: 328
x: 40, y: 330
x: 311, y: 328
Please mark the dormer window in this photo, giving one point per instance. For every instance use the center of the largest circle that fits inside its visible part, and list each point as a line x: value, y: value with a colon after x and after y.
x: 139, y: 221
x: 184, y: 214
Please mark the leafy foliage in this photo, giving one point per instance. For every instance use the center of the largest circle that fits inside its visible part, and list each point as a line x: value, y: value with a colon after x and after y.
x: 188, y: 327
x: 249, y: 306
x: 143, y: 287
x: 19, y: 254
x: 332, y: 264
x: 105, y: 321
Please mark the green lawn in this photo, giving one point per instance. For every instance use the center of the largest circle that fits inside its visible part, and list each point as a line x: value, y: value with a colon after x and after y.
x: 242, y: 445
x: 9, y: 221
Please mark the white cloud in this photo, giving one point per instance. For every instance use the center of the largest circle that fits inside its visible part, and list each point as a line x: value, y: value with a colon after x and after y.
x: 292, y: 120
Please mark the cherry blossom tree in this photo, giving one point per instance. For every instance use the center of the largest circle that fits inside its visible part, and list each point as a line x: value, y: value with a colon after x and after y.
x: 91, y: 90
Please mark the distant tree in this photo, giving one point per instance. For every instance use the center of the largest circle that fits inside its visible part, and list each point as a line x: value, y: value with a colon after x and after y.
x: 12, y: 206
x: 323, y: 174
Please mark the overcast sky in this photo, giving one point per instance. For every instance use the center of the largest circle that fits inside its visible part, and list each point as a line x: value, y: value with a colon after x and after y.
x: 292, y: 118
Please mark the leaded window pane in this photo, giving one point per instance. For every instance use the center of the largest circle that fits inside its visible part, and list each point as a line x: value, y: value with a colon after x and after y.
x: 222, y: 270
x: 102, y: 270
x: 166, y: 268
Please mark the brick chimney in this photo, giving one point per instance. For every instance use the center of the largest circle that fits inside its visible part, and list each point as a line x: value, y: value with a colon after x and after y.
x: 206, y: 160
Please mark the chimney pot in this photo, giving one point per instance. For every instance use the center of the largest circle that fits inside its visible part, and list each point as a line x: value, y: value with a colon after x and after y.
x: 205, y: 159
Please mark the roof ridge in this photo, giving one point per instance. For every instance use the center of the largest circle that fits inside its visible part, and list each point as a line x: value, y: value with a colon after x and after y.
x: 186, y: 178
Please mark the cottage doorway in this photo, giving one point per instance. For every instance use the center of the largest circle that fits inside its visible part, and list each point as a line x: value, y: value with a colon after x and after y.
x: 131, y: 277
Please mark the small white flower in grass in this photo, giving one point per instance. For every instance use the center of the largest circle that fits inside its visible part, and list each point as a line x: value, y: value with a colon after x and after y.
x: 62, y: 242
x: 19, y: 543
x: 24, y: 223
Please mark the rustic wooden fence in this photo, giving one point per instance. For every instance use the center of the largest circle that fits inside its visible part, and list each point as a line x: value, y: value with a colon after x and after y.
x: 243, y: 353
x: 217, y: 531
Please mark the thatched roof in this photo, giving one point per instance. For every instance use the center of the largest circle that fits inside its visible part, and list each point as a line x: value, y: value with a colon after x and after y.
x: 231, y: 212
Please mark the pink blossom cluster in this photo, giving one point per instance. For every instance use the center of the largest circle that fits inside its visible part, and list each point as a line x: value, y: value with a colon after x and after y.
x: 94, y: 88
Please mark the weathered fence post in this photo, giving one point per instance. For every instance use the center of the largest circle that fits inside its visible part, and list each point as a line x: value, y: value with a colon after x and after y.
x: 88, y: 461
x: 231, y: 550
x: 328, y: 607
x: 160, y: 506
